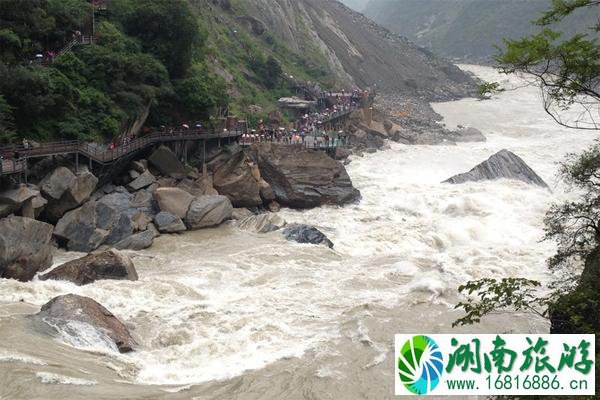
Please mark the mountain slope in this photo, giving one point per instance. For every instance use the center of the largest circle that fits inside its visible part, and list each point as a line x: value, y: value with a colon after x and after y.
x: 327, y: 41
x: 467, y: 29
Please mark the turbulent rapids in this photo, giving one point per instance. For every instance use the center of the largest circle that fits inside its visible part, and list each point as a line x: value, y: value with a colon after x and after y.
x: 221, y: 313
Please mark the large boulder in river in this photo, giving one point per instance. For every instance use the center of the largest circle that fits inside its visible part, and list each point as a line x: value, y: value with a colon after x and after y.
x: 261, y: 223
x: 306, y: 234
x: 168, y: 223
x: 207, y: 211
x: 167, y: 163
x: 24, y: 247
x: 140, y: 240
x: 109, y: 220
x: 66, y: 191
x: 234, y: 179
x: 503, y: 164
x: 303, y: 178
x: 110, y: 264
x: 173, y: 200
x: 75, y: 315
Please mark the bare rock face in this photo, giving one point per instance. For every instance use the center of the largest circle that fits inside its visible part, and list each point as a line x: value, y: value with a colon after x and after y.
x: 207, y: 211
x: 306, y: 234
x: 302, y: 178
x: 165, y: 161
x: 503, y: 164
x: 262, y: 223
x: 62, y: 311
x: 173, y: 200
x: 66, y: 191
x: 24, y: 247
x: 235, y: 180
x: 110, y: 264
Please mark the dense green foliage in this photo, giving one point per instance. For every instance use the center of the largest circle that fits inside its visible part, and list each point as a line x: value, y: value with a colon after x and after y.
x: 568, y: 71
x: 94, y: 91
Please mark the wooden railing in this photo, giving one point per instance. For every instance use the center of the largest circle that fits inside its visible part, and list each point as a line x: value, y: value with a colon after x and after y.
x: 14, y: 158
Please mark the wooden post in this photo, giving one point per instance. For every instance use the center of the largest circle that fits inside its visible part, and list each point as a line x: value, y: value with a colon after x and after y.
x: 77, y: 162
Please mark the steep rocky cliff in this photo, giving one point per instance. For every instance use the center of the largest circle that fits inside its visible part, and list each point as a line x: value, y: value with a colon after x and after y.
x: 340, y: 46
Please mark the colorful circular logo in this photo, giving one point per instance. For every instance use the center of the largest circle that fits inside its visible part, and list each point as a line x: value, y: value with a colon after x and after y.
x: 420, y: 364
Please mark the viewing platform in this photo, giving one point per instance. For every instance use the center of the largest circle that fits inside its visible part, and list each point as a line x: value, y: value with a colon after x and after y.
x: 15, y: 157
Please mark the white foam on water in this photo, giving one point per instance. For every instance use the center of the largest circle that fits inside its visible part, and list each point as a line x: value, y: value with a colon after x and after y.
x: 12, y: 357
x: 57, y: 379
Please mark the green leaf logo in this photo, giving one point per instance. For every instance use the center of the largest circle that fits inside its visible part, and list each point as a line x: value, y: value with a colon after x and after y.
x: 420, y: 364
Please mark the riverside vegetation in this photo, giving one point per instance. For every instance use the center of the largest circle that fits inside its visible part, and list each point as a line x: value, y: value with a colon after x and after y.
x: 568, y: 71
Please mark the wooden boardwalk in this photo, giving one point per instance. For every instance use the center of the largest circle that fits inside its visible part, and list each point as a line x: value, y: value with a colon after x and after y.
x: 15, y: 158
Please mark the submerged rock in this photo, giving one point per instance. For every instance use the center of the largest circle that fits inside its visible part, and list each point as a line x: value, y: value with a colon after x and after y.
x: 503, y: 164
x: 262, y: 223
x: 239, y: 214
x: 24, y: 247
x: 306, y: 234
x: 302, y: 178
x: 60, y: 313
x: 110, y: 264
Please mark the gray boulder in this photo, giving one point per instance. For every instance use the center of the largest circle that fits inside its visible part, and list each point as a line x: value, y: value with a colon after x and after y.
x: 139, y: 241
x: 262, y: 223
x: 302, y: 178
x: 24, y: 247
x: 167, y: 163
x: 19, y: 195
x: 57, y: 182
x: 503, y: 164
x: 110, y: 264
x: 306, y: 234
x: 72, y: 191
x: 142, y: 181
x: 168, y: 223
x: 63, y: 310
x: 173, y: 200
x: 77, y: 229
x: 206, y: 211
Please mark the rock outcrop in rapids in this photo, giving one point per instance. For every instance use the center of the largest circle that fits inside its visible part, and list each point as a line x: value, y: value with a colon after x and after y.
x: 306, y: 234
x: 110, y: 264
x: 302, y: 178
x: 24, y: 247
x: 503, y: 164
x: 75, y: 315
x: 262, y: 223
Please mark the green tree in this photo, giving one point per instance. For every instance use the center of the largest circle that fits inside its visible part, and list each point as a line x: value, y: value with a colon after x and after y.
x: 568, y: 72
x: 167, y: 29
x: 567, y: 69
